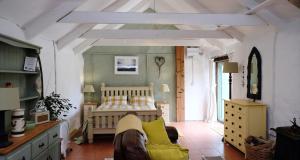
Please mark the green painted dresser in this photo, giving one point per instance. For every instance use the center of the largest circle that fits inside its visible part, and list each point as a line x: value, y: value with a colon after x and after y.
x: 40, y: 143
x: 12, y: 58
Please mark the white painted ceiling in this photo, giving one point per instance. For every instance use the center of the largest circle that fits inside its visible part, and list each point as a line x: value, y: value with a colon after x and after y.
x: 24, y: 12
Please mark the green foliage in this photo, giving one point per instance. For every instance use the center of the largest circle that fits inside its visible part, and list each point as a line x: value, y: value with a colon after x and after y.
x: 57, y: 106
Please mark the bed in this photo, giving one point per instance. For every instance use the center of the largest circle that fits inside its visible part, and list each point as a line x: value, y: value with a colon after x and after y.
x: 104, y: 118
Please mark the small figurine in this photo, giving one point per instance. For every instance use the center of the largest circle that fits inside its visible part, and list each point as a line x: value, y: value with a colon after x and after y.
x: 295, y: 127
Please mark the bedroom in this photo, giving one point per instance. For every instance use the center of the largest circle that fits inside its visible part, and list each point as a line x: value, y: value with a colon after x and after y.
x: 63, y: 45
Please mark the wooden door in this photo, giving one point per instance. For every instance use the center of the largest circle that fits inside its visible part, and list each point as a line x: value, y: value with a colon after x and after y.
x: 180, y: 50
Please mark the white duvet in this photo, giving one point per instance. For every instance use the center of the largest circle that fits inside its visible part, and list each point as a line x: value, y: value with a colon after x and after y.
x: 124, y: 107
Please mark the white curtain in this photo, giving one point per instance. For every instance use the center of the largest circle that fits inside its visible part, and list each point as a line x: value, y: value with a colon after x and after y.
x: 211, y: 112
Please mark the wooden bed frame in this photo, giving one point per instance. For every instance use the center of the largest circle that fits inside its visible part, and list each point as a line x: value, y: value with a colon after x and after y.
x: 105, y: 122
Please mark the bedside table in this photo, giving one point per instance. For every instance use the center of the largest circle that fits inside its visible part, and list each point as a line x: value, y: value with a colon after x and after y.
x: 164, y: 109
x: 87, y: 107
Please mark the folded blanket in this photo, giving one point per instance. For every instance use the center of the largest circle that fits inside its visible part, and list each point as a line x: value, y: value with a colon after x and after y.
x: 129, y: 122
x: 167, y: 152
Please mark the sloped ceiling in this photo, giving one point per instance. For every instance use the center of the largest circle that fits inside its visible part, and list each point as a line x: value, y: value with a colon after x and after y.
x: 69, y: 34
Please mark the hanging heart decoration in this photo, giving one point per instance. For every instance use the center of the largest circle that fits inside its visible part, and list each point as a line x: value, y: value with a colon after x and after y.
x: 159, y: 62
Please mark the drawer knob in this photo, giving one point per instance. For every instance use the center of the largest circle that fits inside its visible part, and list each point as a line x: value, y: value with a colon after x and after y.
x: 226, y: 127
x: 232, y: 140
x: 232, y: 106
x: 240, y: 144
x: 240, y: 126
x: 226, y: 112
x: 23, y: 158
x: 232, y: 115
x: 226, y: 120
x: 54, y: 136
x: 240, y: 108
x: 240, y: 135
x: 232, y: 123
x: 225, y: 135
x: 41, y: 145
x: 226, y: 104
x: 240, y: 117
x: 232, y: 131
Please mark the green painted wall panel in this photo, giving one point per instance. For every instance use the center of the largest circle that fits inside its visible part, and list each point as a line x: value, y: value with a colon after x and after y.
x: 99, y: 68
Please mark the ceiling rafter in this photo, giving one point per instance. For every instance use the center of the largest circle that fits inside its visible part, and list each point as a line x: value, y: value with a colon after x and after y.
x: 162, y: 18
x: 39, y: 24
x: 86, y: 44
x: 118, y: 6
x: 232, y: 31
x: 82, y: 28
x: 260, y: 6
x: 264, y: 14
x: 153, y: 34
x: 146, y: 42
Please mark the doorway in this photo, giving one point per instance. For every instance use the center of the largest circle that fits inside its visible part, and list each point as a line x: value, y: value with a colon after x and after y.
x: 222, y: 81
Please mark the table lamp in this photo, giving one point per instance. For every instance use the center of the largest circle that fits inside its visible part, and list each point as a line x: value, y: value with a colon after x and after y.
x: 230, y: 67
x: 164, y: 88
x: 9, y: 100
x: 89, y: 89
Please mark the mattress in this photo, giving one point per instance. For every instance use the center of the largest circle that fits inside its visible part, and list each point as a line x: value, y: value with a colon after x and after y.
x: 109, y: 107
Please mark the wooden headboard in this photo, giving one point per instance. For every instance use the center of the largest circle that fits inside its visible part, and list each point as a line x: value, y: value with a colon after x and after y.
x: 127, y: 91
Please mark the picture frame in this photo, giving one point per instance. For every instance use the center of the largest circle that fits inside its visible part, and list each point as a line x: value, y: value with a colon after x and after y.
x: 126, y: 65
x: 30, y: 64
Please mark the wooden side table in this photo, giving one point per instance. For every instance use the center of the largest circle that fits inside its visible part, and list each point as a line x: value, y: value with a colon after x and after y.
x: 87, y: 107
x: 165, y: 109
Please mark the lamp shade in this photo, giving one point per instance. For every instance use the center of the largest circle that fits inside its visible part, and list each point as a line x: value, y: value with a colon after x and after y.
x: 9, y: 99
x: 230, y: 67
x: 88, y: 88
x: 164, y: 88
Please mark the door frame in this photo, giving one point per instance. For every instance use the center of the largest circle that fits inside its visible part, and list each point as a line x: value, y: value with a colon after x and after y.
x: 218, y: 60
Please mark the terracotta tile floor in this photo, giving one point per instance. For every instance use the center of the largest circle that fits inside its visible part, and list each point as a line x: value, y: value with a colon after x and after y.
x: 199, y: 137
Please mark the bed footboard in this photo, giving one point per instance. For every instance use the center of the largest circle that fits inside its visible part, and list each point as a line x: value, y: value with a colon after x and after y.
x: 105, y: 122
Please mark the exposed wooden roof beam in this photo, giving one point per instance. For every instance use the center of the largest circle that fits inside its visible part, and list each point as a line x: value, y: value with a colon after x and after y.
x: 260, y: 6
x: 120, y: 5
x: 265, y: 14
x: 162, y: 18
x: 145, y: 42
x: 199, y: 7
x: 153, y: 34
x: 86, y: 44
x: 39, y: 24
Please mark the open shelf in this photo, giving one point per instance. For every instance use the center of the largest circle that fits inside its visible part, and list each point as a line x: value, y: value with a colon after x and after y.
x: 18, y: 72
x: 29, y: 98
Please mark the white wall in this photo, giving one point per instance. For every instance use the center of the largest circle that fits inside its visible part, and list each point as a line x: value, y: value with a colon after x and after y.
x: 280, y: 70
x: 69, y: 82
x: 196, y: 86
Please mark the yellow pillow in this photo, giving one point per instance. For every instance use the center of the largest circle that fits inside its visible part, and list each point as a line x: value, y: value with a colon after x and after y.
x: 156, y: 132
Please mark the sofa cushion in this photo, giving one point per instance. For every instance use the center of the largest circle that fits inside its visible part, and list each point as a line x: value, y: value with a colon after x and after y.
x: 130, y: 145
x: 156, y: 132
x: 167, y: 152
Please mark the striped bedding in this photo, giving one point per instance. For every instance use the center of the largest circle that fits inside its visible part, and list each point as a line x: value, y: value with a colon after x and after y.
x: 124, y: 107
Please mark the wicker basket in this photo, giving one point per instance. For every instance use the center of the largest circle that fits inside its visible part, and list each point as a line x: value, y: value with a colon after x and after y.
x: 263, y: 151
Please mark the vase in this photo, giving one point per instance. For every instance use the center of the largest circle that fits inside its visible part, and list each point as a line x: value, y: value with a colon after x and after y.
x: 18, y: 123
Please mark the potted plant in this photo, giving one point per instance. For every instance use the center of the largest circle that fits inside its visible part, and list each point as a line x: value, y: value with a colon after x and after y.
x: 56, y: 105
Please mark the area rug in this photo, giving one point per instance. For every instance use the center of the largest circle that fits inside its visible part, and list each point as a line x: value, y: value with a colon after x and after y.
x: 212, y: 158
x: 108, y: 159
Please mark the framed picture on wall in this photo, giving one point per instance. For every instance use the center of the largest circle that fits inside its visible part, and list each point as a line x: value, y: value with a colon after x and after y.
x: 126, y: 65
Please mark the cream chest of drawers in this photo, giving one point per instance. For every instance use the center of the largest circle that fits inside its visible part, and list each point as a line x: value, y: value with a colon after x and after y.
x: 241, y: 119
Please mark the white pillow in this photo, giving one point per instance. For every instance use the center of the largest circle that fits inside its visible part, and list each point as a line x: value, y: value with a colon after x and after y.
x: 141, y: 101
x: 114, y: 100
